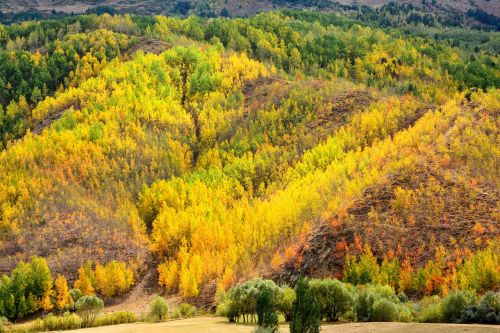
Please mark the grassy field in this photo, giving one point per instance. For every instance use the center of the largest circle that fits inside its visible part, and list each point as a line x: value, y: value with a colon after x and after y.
x: 220, y: 325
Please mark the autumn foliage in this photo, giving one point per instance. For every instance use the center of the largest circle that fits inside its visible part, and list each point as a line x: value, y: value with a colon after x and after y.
x: 287, y: 139
x: 107, y: 280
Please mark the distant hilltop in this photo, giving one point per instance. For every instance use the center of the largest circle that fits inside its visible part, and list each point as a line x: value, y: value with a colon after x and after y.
x: 234, y: 7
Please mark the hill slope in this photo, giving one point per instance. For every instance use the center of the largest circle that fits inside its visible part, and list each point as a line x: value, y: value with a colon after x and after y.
x: 287, y: 140
x: 435, y: 201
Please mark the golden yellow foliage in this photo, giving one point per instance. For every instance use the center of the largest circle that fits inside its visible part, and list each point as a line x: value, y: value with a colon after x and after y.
x: 63, y: 298
x: 84, y: 283
x: 113, y: 278
x: 228, y: 279
x: 46, y: 301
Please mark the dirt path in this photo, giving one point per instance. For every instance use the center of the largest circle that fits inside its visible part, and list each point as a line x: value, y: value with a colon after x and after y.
x: 138, y: 300
x: 220, y: 325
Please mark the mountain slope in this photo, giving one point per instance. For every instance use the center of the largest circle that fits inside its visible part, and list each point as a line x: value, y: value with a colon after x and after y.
x: 287, y: 141
x: 447, y: 196
x: 67, y: 179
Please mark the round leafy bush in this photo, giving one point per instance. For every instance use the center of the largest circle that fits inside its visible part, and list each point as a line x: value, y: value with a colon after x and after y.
x: 241, y: 300
x: 384, y: 310
x: 88, y: 307
x: 185, y: 310
x: 366, y: 298
x: 3, y: 323
x: 453, y: 305
x: 116, y: 318
x: 228, y: 309
x: 404, y: 314
x: 487, y: 311
x: 430, y: 310
x: 333, y: 297
x: 159, y: 308
x: 75, y: 294
x: 69, y: 321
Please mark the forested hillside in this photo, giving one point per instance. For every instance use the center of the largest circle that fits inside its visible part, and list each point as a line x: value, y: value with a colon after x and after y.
x: 210, y: 151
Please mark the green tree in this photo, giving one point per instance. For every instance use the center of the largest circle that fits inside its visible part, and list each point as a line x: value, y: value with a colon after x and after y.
x: 454, y: 304
x: 363, y: 271
x: 266, y: 310
x: 89, y: 307
x: 28, y: 289
x: 358, y: 72
x: 368, y: 295
x: 306, y: 311
x: 487, y: 311
x: 36, y: 95
x: 294, y: 59
x: 40, y: 277
x: 75, y: 294
x: 384, y: 310
x: 333, y: 297
x: 159, y: 308
x: 286, y: 297
x: 203, y: 79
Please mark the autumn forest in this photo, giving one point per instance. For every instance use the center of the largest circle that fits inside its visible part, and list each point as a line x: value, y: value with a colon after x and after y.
x: 202, y: 153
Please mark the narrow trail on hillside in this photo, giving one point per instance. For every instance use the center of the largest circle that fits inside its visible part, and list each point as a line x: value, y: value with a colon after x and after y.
x: 139, y: 298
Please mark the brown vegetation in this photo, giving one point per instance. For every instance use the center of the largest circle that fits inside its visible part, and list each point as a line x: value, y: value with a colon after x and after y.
x: 405, y: 216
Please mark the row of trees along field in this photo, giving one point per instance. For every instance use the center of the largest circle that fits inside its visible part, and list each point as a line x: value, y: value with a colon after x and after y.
x: 212, y: 153
x: 31, y: 287
x: 314, y: 300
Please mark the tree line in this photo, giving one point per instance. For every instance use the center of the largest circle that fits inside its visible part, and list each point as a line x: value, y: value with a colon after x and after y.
x: 31, y: 287
x: 315, y: 300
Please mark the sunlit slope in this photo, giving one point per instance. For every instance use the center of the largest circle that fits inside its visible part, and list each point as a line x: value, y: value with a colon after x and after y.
x: 69, y: 193
x: 214, y: 162
x: 438, y: 192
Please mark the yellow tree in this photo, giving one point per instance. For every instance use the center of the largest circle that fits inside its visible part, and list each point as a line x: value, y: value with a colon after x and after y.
x: 228, y: 278
x: 101, y: 281
x: 113, y: 278
x: 63, y: 298
x: 169, y: 275
x: 46, y: 300
x: 43, y: 278
x: 187, y: 284
x: 84, y: 283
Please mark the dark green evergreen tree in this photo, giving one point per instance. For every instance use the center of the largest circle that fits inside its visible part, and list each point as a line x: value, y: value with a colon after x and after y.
x: 266, y: 310
x: 306, y: 312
